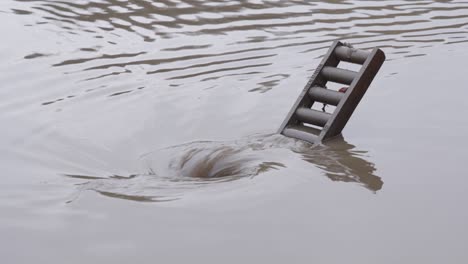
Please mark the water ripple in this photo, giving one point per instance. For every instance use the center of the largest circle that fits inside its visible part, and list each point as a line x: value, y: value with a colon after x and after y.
x: 91, y: 56
x: 171, y: 173
x: 221, y: 31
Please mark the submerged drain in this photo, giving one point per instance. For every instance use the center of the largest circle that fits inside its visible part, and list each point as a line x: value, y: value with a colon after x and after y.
x: 172, y: 173
x: 212, y: 160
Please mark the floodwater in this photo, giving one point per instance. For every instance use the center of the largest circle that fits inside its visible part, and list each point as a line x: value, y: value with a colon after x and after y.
x: 144, y: 132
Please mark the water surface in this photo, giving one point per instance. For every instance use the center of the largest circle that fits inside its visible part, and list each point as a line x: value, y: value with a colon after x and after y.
x: 144, y: 131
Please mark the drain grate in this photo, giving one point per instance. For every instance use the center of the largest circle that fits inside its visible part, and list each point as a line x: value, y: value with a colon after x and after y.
x: 314, y: 126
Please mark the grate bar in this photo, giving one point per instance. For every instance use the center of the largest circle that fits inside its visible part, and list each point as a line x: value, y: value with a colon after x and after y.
x: 352, y: 55
x: 308, y: 134
x: 339, y: 75
x: 312, y: 116
x: 325, y: 95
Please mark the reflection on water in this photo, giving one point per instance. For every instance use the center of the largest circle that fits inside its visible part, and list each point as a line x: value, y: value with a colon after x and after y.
x: 340, y: 161
x: 170, y: 173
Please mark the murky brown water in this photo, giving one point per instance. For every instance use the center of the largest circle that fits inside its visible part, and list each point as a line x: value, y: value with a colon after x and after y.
x: 143, y: 132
